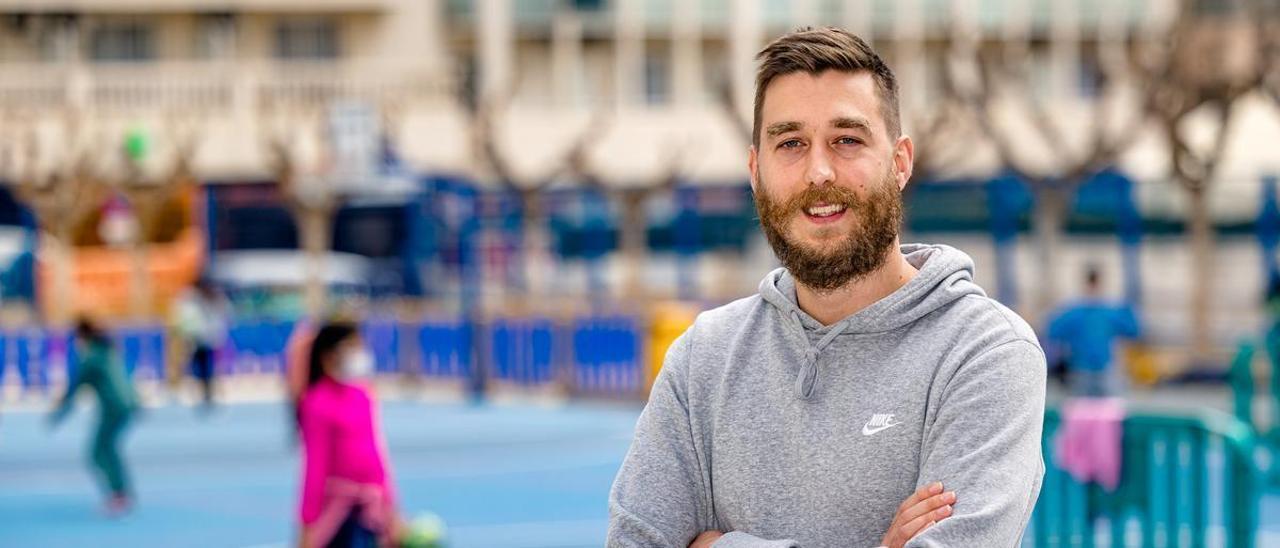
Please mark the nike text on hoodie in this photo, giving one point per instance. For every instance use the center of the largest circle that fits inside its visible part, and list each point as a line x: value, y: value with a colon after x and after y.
x: 782, y: 432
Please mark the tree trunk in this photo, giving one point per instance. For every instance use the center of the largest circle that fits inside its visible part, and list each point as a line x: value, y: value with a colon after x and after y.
x: 525, y: 259
x: 140, y: 290
x: 62, y: 264
x: 1201, y: 231
x: 633, y: 245
x: 1050, y: 213
x: 314, y: 224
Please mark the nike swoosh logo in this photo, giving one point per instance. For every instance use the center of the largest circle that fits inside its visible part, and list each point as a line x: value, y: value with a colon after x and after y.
x: 867, y: 431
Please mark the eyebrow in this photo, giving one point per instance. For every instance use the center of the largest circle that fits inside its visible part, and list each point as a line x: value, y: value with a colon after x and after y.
x: 852, y: 123
x: 783, y: 127
x: 857, y: 123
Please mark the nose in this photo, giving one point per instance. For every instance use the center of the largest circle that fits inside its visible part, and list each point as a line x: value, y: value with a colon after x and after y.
x: 818, y: 171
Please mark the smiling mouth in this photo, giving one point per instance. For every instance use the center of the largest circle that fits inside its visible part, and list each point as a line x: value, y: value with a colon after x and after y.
x: 824, y: 210
x: 825, y: 213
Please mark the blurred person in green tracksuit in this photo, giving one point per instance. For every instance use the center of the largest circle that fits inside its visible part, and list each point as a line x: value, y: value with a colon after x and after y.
x: 98, y: 367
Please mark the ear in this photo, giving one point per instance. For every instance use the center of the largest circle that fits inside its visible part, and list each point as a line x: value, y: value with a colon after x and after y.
x: 904, y: 157
x: 753, y: 162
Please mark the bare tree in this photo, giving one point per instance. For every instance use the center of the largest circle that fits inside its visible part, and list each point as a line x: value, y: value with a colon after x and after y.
x: 311, y: 198
x: 61, y: 198
x: 1037, y: 147
x: 484, y: 115
x: 1204, y: 65
x: 151, y: 198
x: 632, y: 238
x: 1266, y: 17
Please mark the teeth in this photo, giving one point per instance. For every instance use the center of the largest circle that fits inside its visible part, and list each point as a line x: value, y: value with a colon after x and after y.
x: 825, y: 211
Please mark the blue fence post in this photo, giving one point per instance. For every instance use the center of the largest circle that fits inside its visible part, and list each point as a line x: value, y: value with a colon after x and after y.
x: 688, y: 242
x: 4, y: 356
x: 1268, y: 228
x: 1129, y: 226
x: 1007, y: 200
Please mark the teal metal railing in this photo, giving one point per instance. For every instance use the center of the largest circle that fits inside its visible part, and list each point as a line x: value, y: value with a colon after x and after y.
x: 1186, y: 480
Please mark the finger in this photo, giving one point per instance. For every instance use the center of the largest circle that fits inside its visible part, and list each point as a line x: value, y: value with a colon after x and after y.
x: 925, y: 491
x: 925, y: 506
x: 915, y: 526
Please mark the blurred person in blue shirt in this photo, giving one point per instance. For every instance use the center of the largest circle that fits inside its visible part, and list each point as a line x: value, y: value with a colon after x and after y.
x: 1084, y: 333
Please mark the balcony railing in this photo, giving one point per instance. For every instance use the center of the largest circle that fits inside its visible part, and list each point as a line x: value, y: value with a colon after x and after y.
x: 214, y: 86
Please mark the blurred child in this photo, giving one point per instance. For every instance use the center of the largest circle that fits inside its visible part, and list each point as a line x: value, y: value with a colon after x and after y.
x: 99, y: 369
x: 202, y: 319
x: 347, y: 494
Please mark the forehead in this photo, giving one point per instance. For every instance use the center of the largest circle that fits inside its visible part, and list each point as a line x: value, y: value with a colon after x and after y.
x: 815, y: 99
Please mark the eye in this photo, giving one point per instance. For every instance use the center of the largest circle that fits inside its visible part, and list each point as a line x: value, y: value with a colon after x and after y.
x: 790, y: 143
x: 848, y: 141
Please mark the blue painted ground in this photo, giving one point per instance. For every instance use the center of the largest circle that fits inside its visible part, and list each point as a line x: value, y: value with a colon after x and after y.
x: 501, y: 476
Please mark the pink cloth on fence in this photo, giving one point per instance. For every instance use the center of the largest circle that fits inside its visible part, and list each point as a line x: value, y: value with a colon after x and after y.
x: 1089, y: 445
x: 345, y: 457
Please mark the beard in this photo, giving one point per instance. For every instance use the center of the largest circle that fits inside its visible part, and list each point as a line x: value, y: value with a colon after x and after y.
x: 863, y: 250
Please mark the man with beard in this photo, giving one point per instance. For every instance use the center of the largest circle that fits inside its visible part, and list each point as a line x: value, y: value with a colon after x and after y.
x: 871, y: 393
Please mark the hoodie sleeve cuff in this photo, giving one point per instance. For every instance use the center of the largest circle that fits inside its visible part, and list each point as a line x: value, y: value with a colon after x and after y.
x: 738, y: 539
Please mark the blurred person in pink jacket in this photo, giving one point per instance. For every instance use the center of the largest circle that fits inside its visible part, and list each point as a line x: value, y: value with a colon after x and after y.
x: 347, y: 494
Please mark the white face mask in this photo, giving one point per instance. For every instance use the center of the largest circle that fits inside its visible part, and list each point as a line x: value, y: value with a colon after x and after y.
x: 357, y: 364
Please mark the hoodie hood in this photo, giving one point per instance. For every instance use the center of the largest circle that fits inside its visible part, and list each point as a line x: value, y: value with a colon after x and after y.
x: 945, y: 275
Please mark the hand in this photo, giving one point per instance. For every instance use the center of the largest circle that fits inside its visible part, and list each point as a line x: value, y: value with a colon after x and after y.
x: 398, y: 529
x: 706, y: 539
x: 921, y: 510
x: 304, y: 537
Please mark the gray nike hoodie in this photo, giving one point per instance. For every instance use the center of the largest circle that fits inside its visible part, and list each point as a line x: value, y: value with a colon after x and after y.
x: 783, y: 432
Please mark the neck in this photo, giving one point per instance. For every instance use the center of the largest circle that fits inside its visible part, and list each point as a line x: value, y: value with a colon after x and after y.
x: 831, y: 306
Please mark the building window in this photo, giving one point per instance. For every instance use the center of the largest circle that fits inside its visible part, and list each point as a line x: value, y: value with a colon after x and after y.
x: 657, y: 76
x: 129, y: 41
x: 1089, y: 75
x: 307, y: 39
x: 715, y: 74
x: 58, y: 37
x: 216, y: 36
x: 588, y: 5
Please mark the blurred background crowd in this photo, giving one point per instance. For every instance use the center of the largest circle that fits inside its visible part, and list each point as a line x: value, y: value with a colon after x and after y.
x: 527, y: 200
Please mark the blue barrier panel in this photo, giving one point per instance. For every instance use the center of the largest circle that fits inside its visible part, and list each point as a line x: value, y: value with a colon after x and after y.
x: 239, y: 341
x: 255, y: 347
x: 521, y: 350
x: 4, y: 356
x: 274, y: 345
x: 154, y: 343
x: 606, y: 357
x: 141, y: 349
x: 130, y: 350
x: 31, y: 359
x: 445, y: 348
x: 382, y: 338
x: 59, y: 354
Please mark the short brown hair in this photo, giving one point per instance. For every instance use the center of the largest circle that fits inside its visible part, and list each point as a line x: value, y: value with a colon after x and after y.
x: 814, y: 51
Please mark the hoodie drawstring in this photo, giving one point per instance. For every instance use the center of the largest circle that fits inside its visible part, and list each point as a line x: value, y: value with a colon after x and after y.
x: 808, y: 377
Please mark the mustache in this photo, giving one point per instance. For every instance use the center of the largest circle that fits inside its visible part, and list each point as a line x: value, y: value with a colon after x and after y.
x: 826, y: 194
